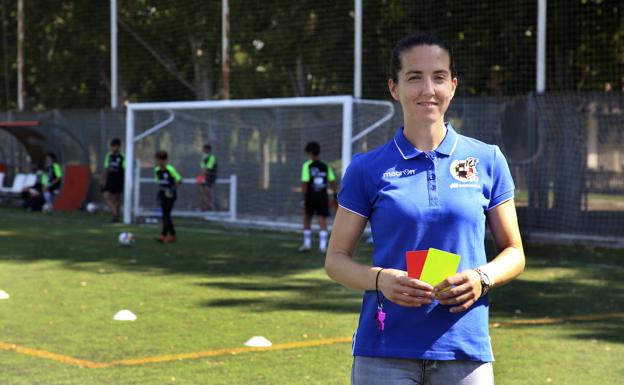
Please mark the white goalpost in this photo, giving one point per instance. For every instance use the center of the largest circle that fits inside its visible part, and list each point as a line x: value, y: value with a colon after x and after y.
x: 258, y: 143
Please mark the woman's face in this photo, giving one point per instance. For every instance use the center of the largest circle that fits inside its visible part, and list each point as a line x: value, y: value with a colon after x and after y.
x: 425, y: 85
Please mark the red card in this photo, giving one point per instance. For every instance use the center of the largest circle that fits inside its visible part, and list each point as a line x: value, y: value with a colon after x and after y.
x: 415, y: 262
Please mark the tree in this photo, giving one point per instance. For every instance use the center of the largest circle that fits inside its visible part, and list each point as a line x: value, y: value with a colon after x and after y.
x: 170, y: 49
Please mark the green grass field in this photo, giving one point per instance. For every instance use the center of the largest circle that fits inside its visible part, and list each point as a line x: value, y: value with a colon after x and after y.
x: 217, y: 287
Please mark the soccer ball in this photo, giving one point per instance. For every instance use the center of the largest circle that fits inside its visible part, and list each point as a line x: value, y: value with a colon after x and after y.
x: 126, y: 239
x: 91, y: 207
x: 47, y: 208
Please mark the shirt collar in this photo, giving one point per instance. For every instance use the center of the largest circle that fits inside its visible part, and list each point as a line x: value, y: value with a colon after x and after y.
x: 408, y: 151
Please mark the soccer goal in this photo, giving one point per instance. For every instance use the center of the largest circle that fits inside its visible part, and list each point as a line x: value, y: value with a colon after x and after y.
x: 259, y: 147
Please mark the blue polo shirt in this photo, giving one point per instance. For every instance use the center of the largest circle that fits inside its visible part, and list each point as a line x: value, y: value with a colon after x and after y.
x: 416, y: 200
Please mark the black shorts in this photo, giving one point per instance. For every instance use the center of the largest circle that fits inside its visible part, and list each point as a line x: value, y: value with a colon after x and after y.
x: 114, y: 184
x: 209, y: 178
x: 53, y: 188
x: 317, y: 204
x: 163, y: 195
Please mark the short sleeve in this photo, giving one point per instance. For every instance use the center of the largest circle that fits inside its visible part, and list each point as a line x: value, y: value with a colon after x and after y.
x: 211, y: 162
x: 331, y: 177
x: 58, y: 171
x: 354, y: 195
x: 305, y: 172
x: 502, y: 183
x: 176, y: 175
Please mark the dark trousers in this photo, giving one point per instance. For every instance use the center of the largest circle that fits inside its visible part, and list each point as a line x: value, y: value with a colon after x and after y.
x: 166, y: 205
x: 32, y: 202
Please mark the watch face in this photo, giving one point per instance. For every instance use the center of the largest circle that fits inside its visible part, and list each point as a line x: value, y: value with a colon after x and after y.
x: 485, y: 280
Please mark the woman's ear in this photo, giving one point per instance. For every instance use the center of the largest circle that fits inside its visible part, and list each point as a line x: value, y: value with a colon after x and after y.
x: 392, y: 86
x: 454, y: 85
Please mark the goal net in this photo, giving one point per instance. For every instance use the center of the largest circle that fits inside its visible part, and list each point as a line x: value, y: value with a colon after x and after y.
x: 259, y: 147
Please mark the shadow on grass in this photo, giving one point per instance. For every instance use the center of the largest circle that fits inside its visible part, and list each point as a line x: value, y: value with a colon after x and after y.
x: 319, y: 295
x: 204, y: 251
x: 594, y: 283
x: 231, y: 259
x: 611, y: 330
x: 588, y: 284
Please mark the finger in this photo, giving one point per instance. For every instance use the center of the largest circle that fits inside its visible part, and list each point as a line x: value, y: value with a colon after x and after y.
x: 463, y: 307
x: 403, y: 303
x: 408, y: 301
x: 456, y: 279
x: 415, y: 283
x: 421, y: 300
x: 410, y: 291
x: 454, y: 291
x: 398, y: 295
x: 460, y: 299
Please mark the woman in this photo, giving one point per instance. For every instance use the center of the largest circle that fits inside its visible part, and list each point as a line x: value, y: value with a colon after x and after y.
x: 427, y: 187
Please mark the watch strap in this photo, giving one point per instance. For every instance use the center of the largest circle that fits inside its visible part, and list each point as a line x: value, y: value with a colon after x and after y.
x: 486, y: 282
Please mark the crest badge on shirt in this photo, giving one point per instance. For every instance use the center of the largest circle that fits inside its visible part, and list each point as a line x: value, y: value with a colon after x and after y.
x: 465, y: 170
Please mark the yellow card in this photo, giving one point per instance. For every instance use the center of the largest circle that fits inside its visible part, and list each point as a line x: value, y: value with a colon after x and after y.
x: 439, y: 266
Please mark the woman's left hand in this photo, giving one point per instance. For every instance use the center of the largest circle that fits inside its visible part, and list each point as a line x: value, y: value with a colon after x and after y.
x: 462, y: 289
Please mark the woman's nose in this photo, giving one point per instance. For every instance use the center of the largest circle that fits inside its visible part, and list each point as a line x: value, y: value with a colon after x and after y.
x: 428, y: 87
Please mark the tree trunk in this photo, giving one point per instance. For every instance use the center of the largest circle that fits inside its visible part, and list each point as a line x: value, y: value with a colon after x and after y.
x: 298, y: 79
x: 201, y: 70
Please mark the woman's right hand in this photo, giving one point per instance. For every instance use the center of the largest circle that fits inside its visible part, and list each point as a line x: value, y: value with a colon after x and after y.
x: 403, y: 290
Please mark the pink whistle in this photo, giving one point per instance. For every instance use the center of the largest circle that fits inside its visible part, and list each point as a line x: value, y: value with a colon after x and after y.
x: 380, y: 317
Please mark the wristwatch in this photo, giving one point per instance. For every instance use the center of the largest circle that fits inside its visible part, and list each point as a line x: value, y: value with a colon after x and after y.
x: 486, y: 283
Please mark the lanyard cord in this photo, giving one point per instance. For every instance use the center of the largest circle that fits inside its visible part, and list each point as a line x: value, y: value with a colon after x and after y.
x: 379, y: 299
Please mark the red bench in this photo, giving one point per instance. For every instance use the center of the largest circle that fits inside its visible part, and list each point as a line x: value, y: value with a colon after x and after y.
x: 75, y: 188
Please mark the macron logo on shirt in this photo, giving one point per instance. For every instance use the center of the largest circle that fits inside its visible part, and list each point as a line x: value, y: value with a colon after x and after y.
x: 397, y: 173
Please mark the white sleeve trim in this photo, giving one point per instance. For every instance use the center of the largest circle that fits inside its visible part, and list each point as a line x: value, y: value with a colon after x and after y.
x: 499, y: 203
x: 354, y: 212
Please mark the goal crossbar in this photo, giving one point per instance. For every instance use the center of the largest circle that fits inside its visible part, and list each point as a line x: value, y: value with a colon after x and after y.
x: 346, y: 101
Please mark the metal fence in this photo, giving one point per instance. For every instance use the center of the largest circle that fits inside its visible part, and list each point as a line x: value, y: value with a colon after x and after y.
x: 566, y: 153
